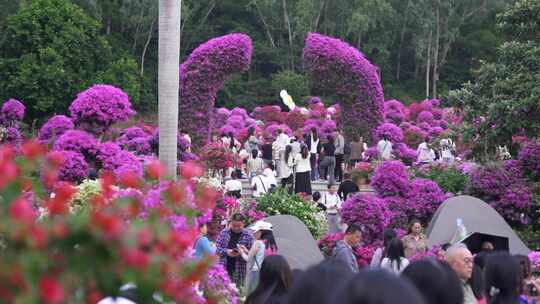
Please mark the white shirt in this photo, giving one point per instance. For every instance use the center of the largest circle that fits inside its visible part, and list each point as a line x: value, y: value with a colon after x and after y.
x: 424, y: 153
x: 282, y: 141
x: 393, y: 266
x: 288, y: 166
x: 332, y: 202
x: 296, y: 148
x: 314, y: 144
x: 233, y: 185
x: 446, y: 148
x: 385, y: 149
x: 302, y: 164
x: 261, y: 184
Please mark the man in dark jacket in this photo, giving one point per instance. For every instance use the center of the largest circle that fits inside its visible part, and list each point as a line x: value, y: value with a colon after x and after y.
x: 344, y: 248
x: 347, y: 187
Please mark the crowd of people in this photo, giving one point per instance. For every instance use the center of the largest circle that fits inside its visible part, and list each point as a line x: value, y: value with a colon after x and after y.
x: 454, y: 276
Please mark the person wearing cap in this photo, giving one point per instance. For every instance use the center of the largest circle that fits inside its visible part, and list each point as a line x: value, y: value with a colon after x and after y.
x: 264, y: 238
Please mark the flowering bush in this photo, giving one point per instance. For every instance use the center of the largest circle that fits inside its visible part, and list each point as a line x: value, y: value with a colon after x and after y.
x: 77, y: 141
x: 507, y: 193
x: 54, y: 128
x: 12, y: 113
x: 391, y: 179
x: 99, y: 107
x: 448, y: 178
x: 368, y: 211
x: 203, y: 74
x: 328, y: 242
x: 407, y: 155
x: 390, y: 131
x: 414, y: 136
x: 433, y: 253
x: 86, y: 191
x: 529, y: 158
x: 250, y: 212
x: 281, y: 202
x: 216, y: 156
x: 534, y: 256
x: 394, y: 111
x: 364, y: 254
x: 73, y: 255
x: 361, y: 170
x: 74, y: 168
x: 423, y: 199
x: 218, y: 287
x: 336, y: 65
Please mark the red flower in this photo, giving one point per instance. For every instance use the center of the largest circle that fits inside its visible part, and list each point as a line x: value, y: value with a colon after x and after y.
x: 8, y: 167
x: 38, y: 236
x: 191, y: 169
x: 155, y: 169
x: 111, y: 225
x: 145, y: 237
x: 59, y: 204
x: 51, y: 291
x: 21, y: 210
x: 32, y: 149
x: 55, y: 158
x: 136, y: 258
x: 176, y: 192
x: 131, y: 180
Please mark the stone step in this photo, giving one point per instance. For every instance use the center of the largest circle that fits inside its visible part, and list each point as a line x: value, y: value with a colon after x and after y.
x: 319, y: 185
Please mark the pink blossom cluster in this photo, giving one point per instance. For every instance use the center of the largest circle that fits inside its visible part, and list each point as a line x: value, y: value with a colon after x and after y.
x: 11, y: 116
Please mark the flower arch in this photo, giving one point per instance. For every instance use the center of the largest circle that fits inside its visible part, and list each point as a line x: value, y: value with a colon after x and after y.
x: 202, y: 76
x: 335, y: 65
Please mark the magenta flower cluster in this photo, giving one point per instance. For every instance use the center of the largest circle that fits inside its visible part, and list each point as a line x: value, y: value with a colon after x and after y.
x: 529, y: 159
x: 391, y: 179
x: 368, y: 211
x: 335, y: 65
x: 423, y: 199
x: 99, y: 107
x: 54, y: 128
x: 218, y: 285
x: 389, y: 130
x: 77, y: 141
x: 504, y: 189
x: 12, y: 113
x: 74, y: 167
x: 203, y: 74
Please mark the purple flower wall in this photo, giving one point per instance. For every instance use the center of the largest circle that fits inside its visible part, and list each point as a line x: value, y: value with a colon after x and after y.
x: 335, y: 65
x: 202, y: 76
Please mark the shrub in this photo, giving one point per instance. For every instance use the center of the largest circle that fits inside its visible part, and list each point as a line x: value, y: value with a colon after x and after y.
x: 54, y: 128
x: 368, y: 211
x: 12, y: 113
x: 449, y: 179
x: 86, y: 190
x: 391, y: 131
x: 99, y: 107
x: 77, y: 141
x: 296, y: 84
x: 423, y: 199
x: 391, y: 179
x: 44, y: 71
x: 74, y: 167
x: 281, y: 202
x: 529, y: 158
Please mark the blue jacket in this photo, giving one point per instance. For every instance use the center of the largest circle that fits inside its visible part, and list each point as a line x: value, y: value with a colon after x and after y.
x: 344, y: 253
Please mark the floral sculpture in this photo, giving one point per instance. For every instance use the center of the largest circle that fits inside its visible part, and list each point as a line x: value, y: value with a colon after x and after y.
x: 391, y: 179
x: 336, y: 65
x: 201, y: 77
x: 368, y: 211
x: 99, y: 107
x: 12, y: 113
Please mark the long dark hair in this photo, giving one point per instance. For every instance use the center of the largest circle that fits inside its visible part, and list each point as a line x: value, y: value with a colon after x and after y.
x: 275, y: 280
x: 305, y: 152
x: 395, y: 252
x: 388, y: 235
x: 288, y: 150
x: 231, y: 145
x: 502, y: 272
x: 267, y: 236
x: 414, y: 221
x: 314, y: 134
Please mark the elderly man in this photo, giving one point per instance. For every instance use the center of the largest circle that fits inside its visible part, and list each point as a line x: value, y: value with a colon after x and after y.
x: 461, y: 260
x: 228, y: 243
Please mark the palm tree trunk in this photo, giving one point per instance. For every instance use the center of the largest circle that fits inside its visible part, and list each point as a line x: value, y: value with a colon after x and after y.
x: 168, y: 82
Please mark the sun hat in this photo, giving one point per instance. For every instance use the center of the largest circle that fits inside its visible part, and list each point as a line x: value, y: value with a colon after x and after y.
x: 261, y: 225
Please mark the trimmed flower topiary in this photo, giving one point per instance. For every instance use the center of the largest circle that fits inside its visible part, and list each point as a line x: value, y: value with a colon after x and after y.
x: 74, y: 167
x: 394, y: 111
x: 202, y: 76
x: 391, y: 131
x: 12, y: 113
x: 368, y: 211
x: 54, y: 128
x: 335, y: 65
x: 391, y: 179
x: 77, y: 141
x: 99, y: 107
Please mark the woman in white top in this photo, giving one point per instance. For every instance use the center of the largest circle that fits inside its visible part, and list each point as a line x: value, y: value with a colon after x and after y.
x: 395, y: 260
x: 264, y: 238
x: 288, y: 167
x: 302, y: 182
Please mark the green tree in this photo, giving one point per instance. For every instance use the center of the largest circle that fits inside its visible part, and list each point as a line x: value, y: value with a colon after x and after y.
x: 49, y: 51
x: 296, y: 84
x: 504, y: 98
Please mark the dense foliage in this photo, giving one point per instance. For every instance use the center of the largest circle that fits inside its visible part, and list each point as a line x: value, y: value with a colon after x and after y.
x: 49, y: 51
x: 280, y: 202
